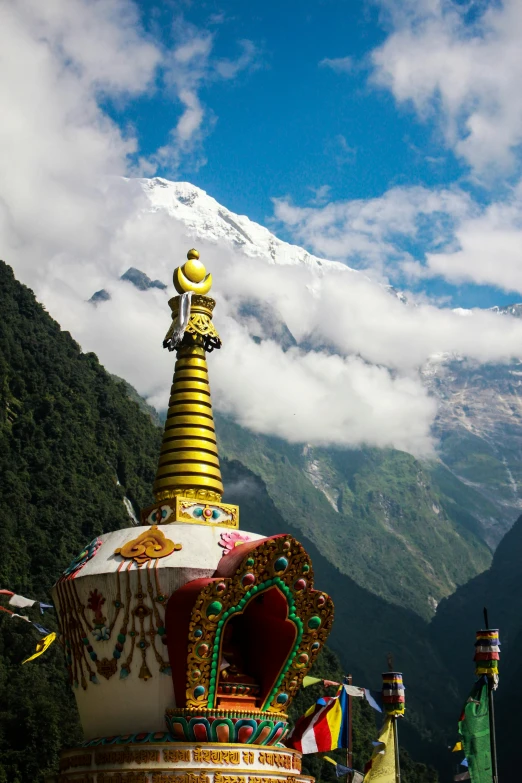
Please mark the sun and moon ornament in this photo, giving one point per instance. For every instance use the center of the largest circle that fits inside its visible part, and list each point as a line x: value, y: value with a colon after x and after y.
x: 192, y: 276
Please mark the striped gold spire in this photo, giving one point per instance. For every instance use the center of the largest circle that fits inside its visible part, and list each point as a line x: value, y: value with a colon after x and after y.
x: 189, y: 461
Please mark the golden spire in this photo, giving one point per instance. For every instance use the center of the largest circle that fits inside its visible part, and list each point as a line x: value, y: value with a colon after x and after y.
x: 189, y: 463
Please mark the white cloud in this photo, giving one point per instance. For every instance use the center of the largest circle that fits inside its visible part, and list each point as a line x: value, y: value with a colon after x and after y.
x: 338, y: 64
x: 375, y: 233
x: 460, y: 65
x: 488, y: 249
x: 319, y: 398
x: 417, y: 232
x: 248, y: 59
x: 56, y: 143
x: 346, y: 311
x: 321, y: 194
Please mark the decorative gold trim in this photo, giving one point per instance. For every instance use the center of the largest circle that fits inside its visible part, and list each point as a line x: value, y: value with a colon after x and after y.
x: 221, y: 712
x: 177, y: 510
x: 230, y: 512
x: 148, y: 546
x: 193, y: 494
x: 191, y: 745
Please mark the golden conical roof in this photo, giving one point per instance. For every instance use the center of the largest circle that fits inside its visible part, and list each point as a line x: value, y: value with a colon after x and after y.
x: 189, y: 461
x: 188, y: 486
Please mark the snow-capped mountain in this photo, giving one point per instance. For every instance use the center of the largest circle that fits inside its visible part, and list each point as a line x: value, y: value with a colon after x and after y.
x: 205, y: 218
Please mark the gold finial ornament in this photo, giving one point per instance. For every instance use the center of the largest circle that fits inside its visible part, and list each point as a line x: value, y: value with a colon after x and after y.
x: 188, y: 469
x: 192, y: 276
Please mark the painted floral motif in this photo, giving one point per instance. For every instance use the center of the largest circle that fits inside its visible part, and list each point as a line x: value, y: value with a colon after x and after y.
x: 100, y: 631
x: 231, y: 539
x: 85, y: 555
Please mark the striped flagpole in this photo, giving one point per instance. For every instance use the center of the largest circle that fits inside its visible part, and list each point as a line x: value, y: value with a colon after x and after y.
x: 349, y: 752
x: 490, y: 668
x: 394, y: 706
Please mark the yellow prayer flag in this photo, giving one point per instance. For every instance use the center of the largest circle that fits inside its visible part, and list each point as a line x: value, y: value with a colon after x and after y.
x: 42, y: 646
x: 310, y: 681
x: 458, y: 746
x: 383, y: 763
x: 332, y: 761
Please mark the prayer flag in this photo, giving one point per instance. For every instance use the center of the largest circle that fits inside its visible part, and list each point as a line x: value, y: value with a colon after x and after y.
x: 374, y: 699
x: 323, y: 728
x: 474, y: 730
x: 381, y: 767
x: 341, y: 770
x: 310, y: 681
x: 41, y: 646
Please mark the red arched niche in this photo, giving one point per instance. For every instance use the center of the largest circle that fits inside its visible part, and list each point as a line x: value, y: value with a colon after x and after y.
x: 261, y: 640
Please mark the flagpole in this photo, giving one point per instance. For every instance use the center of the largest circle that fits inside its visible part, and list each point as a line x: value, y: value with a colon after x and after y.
x: 394, y: 718
x: 396, y: 742
x: 349, y: 753
x: 492, y: 733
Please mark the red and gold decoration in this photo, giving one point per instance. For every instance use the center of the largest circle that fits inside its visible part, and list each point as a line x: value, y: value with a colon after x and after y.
x: 249, y: 635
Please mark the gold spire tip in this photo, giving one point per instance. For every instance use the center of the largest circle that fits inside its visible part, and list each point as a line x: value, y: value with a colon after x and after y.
x: 192, y: 276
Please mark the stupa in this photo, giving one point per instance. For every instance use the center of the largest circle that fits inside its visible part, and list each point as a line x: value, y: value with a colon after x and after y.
x: 186, y: 638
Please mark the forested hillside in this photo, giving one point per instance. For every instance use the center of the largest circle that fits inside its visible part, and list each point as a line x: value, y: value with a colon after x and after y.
x: 73, y: 447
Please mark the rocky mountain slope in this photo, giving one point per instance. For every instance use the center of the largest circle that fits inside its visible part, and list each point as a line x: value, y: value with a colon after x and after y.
x: 479, y: 428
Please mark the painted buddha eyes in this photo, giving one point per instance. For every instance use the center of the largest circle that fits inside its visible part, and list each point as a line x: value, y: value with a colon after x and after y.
x: 212, y: 514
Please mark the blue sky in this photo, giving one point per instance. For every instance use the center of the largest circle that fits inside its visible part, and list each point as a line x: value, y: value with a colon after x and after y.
x: 289, y: 123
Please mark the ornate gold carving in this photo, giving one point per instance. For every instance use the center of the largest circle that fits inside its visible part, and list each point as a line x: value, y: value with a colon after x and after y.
x: 281, y: 562
x: 175, y: 755
x: 216, y: 756
x: 193, y: 494
x: 215, y: 514
x: 127, y: 756
x: 186, y: 777
x: 192, y: 508
x: 200, y: 323
x: 150, y: 545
